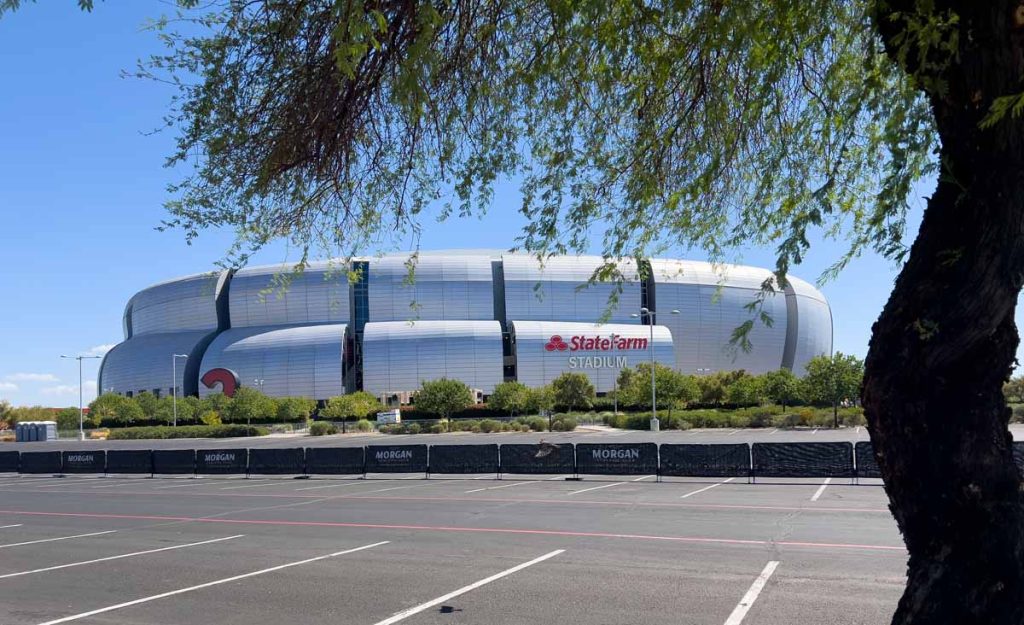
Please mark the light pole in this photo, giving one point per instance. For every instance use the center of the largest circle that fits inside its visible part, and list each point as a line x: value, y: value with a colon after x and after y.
x: 174, y: 385
x: 81, y: 406
x: 248, y: 418
x: 651, y: 316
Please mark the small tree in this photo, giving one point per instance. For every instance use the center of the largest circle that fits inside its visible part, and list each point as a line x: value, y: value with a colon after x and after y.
x: 572, y: 390
x: 291, y: 409
x: 148, y: 403
x: 248, y: 404
x: 356, y: 405
x: 217, y: 402
x: 541, y: 400
x: 112, y: 407
x: 67, y: 419
x: 745, y: 391
x: 512, y: 397
x: 781, y: 387
x: 1013, y: 390
x: 834, y: 380
x: 444, y: 398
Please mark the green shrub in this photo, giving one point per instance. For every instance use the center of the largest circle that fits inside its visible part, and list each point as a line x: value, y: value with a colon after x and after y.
x: 363, y: 425
x: 413, y: 428
x: 490, y: 425
x: 210, y: 417
x: 789, y: 420
x: 564, y: 424
x: 322, y: 428
x: 437, y: 428
x: 186, y: 431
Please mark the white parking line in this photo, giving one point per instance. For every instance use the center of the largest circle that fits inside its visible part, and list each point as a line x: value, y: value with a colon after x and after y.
x: 267, y: 483
x: 352, y: 483
x: 461, y: 591
x: 748, y: 599
x: 734, y: 432
x: 773, y: 431
x: 596, y: 488
x: 477, y: 490
x: 815, y: 431
x: 380, y: 490
x: 123, y: 555
x: 50, y: 540
x: 821, y: 489
x: 121, y: 482
x: 642, y: 478
x: 701, y: 490
x: 191, y: 482
x: 227, y: 580
x: 3, y: 527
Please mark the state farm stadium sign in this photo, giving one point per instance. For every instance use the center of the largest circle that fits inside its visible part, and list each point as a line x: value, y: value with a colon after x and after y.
x: 612, y: 343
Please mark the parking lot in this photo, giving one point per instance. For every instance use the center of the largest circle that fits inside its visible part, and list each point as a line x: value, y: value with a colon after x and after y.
x: 403, y: 549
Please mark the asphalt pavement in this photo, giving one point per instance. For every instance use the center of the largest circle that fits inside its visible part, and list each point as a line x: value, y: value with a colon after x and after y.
x: 472, y: 550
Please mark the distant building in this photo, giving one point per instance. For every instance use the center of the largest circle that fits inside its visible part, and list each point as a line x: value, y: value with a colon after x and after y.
x: 475, y: 316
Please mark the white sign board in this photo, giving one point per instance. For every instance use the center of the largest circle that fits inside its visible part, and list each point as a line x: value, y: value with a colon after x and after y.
x: 391, y: 416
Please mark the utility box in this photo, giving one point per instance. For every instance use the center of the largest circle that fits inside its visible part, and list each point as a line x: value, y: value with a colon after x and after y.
x: 655, y: 425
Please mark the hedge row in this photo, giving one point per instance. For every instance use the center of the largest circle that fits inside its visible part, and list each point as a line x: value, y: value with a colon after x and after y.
x: 759, y: 417
x: 187, y: 431
x: 559, y: 423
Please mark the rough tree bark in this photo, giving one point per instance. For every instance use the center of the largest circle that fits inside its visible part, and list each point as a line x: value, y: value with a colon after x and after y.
x: 946, y: 340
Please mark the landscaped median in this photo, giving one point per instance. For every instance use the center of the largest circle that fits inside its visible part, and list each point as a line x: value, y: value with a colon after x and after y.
x: 187, y: 431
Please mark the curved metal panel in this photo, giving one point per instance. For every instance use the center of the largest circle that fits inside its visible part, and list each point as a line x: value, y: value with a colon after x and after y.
x: 296, y: 361
x: 398, y: 356
x: 558, y: 289
x: 814, y: 323
x: 546, y: 349
x: 275, y: 295
x: 179, y: 305
x: 712, y: 304
x: 143, y: 363
x: 442, y: 287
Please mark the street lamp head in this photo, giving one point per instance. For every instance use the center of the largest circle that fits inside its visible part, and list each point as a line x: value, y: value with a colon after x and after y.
x: 644, y: 310
x: 634, y: 315
x: 180, y: 355
x: 675, y: 311
x: 65, y: 356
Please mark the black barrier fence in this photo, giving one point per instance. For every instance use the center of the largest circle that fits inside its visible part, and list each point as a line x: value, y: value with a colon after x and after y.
x: 802, y: 459
x: 541, y: 459
x: 464, y: 459
x: 694, y: 460
x: 9, y: 461
x: 335, y: 460
x: 129, y: 461
x: 277, y: 461
x: 396, y: 459
x: 867, y: 466
x: 222, y: 461
x: 793, y: 460
x: 84, y: 462
x: 174, y: 461
x: 617, y: 458
x: 40, y: 462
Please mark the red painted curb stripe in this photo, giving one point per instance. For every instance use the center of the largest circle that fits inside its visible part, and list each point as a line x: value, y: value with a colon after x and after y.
x: 445, y: 528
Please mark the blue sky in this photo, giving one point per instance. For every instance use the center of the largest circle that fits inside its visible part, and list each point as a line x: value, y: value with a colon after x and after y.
x: 82, y: 188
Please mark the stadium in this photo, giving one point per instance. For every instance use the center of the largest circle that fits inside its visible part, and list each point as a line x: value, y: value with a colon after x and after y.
x: 476, y: 316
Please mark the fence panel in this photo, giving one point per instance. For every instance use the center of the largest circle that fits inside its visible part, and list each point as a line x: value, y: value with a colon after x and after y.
x: 546, y: 458
x: 396, y: 459
x: 692, y: 460
x: 277, y: 461
x: 617, y: 458
x: 222, y: 461
x: 802, y: 459
x: 9, y: 461
x: 463, y: 458
x: 40, y: 462
x: 334, y: 460
x: 129, y: 461
x: 174, y: 461
x: 866, y: 464
x: 84, y: 461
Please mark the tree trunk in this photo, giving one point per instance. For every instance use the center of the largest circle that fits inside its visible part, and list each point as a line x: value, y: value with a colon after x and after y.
x: 945, y: 343
x: 835, y: 414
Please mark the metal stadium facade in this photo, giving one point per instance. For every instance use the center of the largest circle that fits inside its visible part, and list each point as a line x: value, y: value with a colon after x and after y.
x: 480, y: 317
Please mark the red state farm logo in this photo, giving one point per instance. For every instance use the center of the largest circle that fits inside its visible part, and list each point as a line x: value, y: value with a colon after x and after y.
x: 556, y: 344
x: 227, y: 379
x: 613, y: 342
